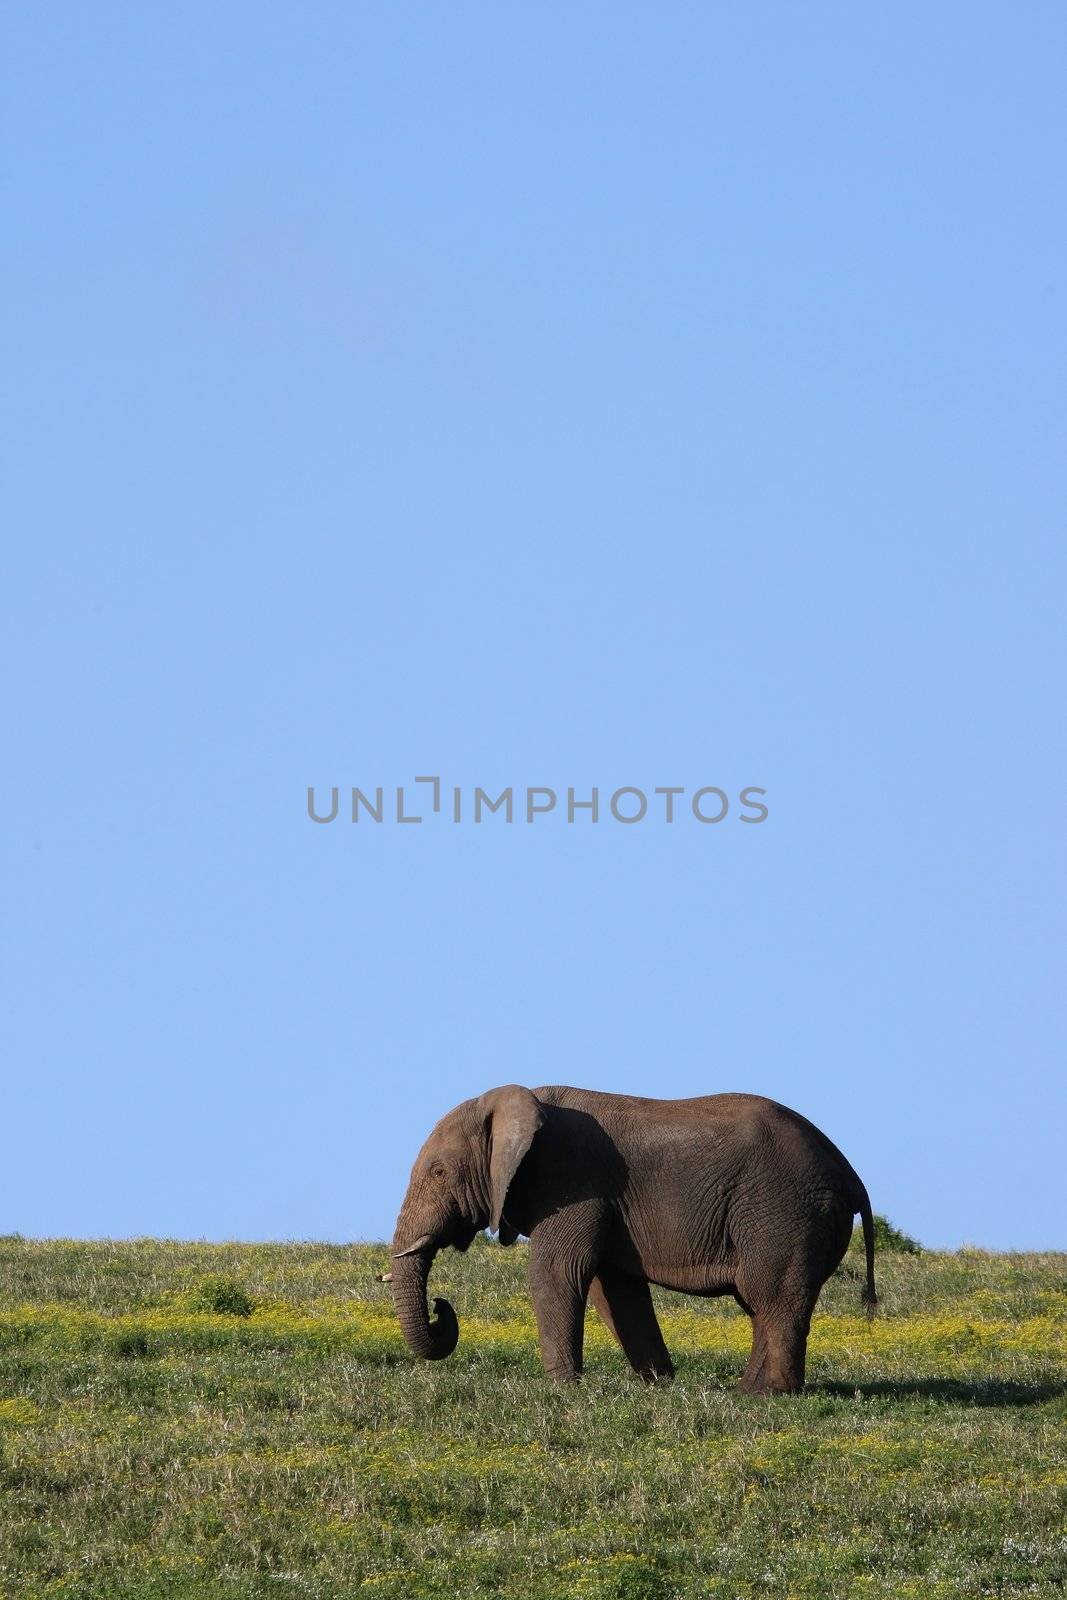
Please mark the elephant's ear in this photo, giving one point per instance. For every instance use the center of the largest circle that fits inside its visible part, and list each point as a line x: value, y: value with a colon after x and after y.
x: 512, y: 1117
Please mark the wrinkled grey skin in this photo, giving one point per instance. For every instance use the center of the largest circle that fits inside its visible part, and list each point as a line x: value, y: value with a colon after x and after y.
x: 727, y: 1194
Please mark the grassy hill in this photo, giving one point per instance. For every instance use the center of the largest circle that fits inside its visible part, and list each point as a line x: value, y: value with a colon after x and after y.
x: 244, y: 1420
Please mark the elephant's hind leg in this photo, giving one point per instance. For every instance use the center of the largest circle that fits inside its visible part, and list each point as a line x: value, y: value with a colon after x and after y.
x: 625, y: 1304
x: 779, y: 1347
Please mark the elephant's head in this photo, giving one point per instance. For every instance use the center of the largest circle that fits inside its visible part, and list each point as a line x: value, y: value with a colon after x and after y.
x: 458, y: 1186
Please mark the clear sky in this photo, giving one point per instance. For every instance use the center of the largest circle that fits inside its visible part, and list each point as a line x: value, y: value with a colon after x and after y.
x: 567, y: 396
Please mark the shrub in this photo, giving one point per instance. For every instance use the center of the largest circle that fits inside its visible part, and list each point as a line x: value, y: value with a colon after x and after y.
x: 130, y: 1344
x: 886, y: 1237
x: 224, y: 1296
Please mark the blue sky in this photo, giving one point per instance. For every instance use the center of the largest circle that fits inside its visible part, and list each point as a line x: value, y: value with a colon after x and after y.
x: 562, y: 396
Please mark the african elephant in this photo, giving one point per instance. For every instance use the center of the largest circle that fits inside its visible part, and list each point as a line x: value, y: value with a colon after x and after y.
x: 726, y: 1194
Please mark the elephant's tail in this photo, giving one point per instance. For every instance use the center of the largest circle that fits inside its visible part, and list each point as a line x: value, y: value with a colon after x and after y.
x: 870, y: 1297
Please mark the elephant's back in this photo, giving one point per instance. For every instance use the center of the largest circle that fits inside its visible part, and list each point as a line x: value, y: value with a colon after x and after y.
x: 709, y: 1108
x: 736, y: 1125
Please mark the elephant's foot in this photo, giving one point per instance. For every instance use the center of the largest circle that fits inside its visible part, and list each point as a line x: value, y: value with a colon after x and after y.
x: 776, y: 1365
x: 765, y: 1385
x: 655, y: 1373
x: 563, y: 1374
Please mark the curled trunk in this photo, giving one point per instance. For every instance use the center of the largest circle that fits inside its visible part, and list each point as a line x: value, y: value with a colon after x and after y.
x: 431, y: 1340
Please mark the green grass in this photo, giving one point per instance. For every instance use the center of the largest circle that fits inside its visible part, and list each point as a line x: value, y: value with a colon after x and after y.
x: 243, y: 1420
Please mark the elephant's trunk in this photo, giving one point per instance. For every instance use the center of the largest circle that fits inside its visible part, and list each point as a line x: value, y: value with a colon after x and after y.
x: 431, y: 1340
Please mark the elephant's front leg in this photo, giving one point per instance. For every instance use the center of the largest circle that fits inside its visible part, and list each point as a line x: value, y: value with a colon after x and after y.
x: 559, y: 1286
x: 625, y: 1305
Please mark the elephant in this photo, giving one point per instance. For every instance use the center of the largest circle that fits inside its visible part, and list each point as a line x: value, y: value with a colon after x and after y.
x: 722, y: 1194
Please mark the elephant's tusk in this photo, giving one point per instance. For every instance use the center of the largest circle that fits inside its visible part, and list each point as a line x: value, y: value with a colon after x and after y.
x: 385, y: 1277
x: 413, y: 1249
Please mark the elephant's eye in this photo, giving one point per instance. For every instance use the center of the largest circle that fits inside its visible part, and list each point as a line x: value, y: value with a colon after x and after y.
x: 437, y: 1170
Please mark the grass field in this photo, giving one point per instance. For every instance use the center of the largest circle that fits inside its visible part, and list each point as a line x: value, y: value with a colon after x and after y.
x: 155, y: 1440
